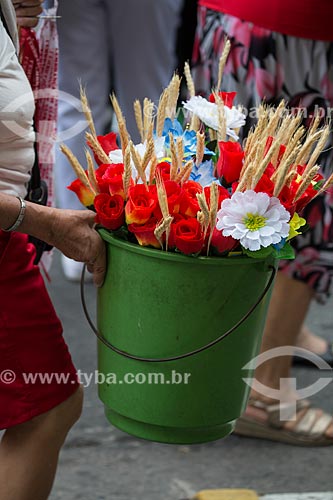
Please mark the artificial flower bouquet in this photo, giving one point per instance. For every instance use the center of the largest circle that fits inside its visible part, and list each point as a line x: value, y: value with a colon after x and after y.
x: 191, y: 187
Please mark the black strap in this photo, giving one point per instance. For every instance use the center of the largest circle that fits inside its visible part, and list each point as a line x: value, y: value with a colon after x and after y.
x: 37, y: 193
x: 37, y: 189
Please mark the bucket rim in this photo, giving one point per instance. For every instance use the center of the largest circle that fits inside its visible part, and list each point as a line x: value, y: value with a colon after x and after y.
x: 175, y: 257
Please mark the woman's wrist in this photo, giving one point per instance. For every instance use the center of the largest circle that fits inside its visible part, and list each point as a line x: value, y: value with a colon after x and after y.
x: 20, y: 216
x: 38, y: 221
x: 27, y: 217
x: 9, y: 211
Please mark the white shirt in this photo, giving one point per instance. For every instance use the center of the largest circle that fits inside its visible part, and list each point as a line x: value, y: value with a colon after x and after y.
x: 16, y: 114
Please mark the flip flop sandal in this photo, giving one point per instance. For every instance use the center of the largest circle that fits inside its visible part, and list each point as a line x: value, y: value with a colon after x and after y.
x: 308, y: 431
x: 326, y: 356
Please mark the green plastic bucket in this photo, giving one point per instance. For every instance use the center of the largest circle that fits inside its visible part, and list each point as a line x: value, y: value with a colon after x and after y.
x: 157, y: 306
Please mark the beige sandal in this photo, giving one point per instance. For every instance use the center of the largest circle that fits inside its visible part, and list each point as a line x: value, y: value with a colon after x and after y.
x: 308, y: 431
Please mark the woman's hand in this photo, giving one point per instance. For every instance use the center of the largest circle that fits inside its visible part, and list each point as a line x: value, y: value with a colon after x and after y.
x: 27, y: 12
x: 73, y: 233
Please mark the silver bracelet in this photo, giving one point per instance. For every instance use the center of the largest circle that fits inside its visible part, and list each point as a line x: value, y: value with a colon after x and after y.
x: 20, y: 216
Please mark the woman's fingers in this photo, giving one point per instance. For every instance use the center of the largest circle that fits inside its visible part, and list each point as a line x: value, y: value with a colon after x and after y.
x: 27, y: 12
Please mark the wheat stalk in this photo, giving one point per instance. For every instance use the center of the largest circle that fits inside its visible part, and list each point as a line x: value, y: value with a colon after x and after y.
x: 222, y: 126
x: 200, y: 148
x: 97, y: 148
x: 195, y: 123
x: 87, y: 111
x: 184, y: 175
x: 245, y: 181
x: 180, y: 153
x: 150, y: 148
x: 138, y: 163
x: 138, y: 117
x: 161, y: 113
x: 222, y: 61
x: 153, y: 166
x: 306, y: 147
x: 325, y: 132
x: 326, y: 185
x: 148, y: 107
x: 204, y: 211
x: 77, y: 167
x: 189, y: 80
x: 162, y: 196
x: 163, y: 227
x: 306, y: 182
x: 263, y: 163
x: 174, y: 158
x: 214, y: 196
x: 123, y: 133
x: 283, y: 170
x: 173, y: 93
x: 127, y: 170
x: 91, y: 172
x: 167, y: 219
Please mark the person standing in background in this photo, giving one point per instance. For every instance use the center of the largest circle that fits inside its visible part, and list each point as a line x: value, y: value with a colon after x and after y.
x: 280, y: 51
x: 122, y: 46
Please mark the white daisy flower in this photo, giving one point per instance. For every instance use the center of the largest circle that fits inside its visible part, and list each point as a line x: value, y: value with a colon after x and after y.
x: 255, y: 219
x: 208, y: 114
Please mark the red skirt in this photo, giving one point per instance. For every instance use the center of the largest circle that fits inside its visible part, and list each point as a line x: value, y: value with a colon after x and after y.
x: 36, y: 369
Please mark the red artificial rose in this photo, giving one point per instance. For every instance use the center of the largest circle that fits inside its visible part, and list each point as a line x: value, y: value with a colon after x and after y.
x: 230, y: 162
x: 223, y: 244
x: 108, y: 142
x: 227, y: 98
x: 188, y: 236
x: 140, y: 204
x: 188, y: 203
x: 176, y: 218
x: 102, y: 183
x: 223, y: 194
x: 164, y: 169
x: 173, y: 192
x: 85, y: 195
x: 109, y: 210
x: 144, y: 233
x: 113, y: 178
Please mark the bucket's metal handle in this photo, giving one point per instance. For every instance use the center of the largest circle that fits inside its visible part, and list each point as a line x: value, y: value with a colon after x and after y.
x: 180, y: 356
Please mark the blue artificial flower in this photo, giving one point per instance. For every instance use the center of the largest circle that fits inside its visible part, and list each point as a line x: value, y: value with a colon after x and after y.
x: 174, y: 127
x: 204, y: 174
x: 189, y: 137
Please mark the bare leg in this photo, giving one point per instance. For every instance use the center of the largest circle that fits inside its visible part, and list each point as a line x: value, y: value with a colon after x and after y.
x: 29, y: 452
x: 309, y: 340
x: 287, y: 311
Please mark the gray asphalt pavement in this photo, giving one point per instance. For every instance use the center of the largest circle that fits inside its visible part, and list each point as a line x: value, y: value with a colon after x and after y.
x: 100, y: 462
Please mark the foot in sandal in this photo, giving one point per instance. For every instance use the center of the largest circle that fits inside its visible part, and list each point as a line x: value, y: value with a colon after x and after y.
x: 305, y: 426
